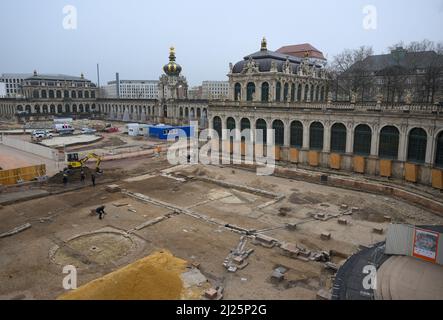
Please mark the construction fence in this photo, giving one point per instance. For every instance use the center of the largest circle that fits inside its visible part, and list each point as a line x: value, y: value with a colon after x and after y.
x: 15, y: 176
x: 25, y: 146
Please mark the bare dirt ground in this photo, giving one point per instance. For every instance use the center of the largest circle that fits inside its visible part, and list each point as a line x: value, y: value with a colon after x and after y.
x: 63, y: 231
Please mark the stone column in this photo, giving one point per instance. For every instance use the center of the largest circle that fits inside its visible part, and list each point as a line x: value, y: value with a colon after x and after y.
x: 403, y: 145
x: 327, y: 138
x: 349, y: 139
x: 375, y: 142
x: 306, y: 135
x: 287, y: 140
x: 430, y: 148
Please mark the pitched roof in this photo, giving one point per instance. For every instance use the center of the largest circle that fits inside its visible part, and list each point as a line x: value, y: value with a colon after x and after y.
x: 55, y: 77
x: 415, y: 60
x: 299, y: 50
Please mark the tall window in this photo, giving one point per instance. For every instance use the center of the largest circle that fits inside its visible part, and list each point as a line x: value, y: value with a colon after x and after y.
x: 306, y: 93
x: 299, y: 93
x: 322, y: 95
x: 338, y: 138
x: 217, y: 125
x: 389, y: 141
x: 245, y: 124
x: 362, y: 140
x: 250, y: 91
x: 265, y: 92
x: 73, y: 94
x: 293, y: 92
x: 297, y: 134
x: 278, y: 91
x: 261, y: 125
x: 417, y: 145
x: 279, y: 131
x: 237, y: 92
x: 35, y: 94
x: 230, y: 123
x: 316, y: 136
x: 66, y: 94
x: 312, y: 94
x: 286, y: 92
x: 59, y: 94
x: 439, y: 155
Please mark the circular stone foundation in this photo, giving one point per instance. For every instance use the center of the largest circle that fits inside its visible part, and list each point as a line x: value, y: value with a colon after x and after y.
x: 100, y: 248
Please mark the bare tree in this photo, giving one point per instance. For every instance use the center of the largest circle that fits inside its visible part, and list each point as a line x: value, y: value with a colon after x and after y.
x: 348, y: 75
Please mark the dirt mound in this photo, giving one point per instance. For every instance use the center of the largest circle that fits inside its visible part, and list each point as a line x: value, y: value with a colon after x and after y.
x: 156, y: 277
x: 73, y: 176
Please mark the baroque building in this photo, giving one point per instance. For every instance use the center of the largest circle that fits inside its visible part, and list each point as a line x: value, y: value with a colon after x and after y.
x: 290, y: 95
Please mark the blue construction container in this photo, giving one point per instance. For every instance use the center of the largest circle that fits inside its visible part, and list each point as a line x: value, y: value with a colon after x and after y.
x: 162, y: 131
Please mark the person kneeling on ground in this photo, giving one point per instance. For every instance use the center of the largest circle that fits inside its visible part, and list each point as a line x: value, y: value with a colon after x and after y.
x: 101, y: 212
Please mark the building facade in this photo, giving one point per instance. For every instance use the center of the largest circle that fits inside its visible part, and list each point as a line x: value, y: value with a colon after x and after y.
x: 13, y: 83
x: 131, y: 89
x: 217, y: 90
x: 398, y: 77
x: 271, y: 92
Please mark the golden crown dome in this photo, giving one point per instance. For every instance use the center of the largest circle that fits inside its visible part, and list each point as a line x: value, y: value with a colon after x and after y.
x: 172, y: 68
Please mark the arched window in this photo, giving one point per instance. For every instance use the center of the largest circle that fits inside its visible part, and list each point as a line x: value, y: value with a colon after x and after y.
x: 322, y: 95
x: 217, y: 125
x: 316, y: 136
x: 265, y: 92
x: 338, y: 138
x: 28, y: 109
x: 52, y: 108
x: 45, y: 109
x: 418, y: 140
x: 59, y: 108
x: 80, y: 95
x: 389, y: 141
x: 87, y: 108
x: 250, y: 91
x: 439, y: 155
x: 35, y: 94
x: 37, y: 109
x: 230, y: 123
x: 73, y: 94
x: 293, y: 92
x: 362, y: 140
x: 181, y: 112
x: 45, y: 94
x: 93, y: 94
x: 80, y: 107
x: 186, y: 112
x: 66, y: 94
x: 279, y: 132
x: 74, y: 108
x: 277, y: 91
x: 237, y: 92
x: 51, y: 94
x: 305, y: 98
x: 59, y: 94
x: 199, y: 113
x: 245, y: 124
x: 87, y: 94
x: 299, y: 93
x: 261, y: 125
x: 296, y: 134
x: 67, y: 108
x: 286, y: 92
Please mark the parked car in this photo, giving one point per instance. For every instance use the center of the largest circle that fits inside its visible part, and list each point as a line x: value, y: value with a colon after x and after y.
x: 88, y: 131
x: 41, y: 134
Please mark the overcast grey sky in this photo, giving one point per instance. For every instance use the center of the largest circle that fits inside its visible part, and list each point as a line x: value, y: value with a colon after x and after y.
x: 133, y: 36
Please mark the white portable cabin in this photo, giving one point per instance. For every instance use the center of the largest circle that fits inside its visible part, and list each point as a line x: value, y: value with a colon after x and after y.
x: 133, y: 129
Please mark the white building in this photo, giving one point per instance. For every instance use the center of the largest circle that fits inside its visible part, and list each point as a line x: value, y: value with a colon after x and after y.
x: 131, y: 89
x: 2, y: 90
x: 13, y: 82
x: 215, y: 89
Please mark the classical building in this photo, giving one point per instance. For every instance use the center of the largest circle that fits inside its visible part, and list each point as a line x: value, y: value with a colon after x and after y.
x: 397, y: 77
x: 290, y: 95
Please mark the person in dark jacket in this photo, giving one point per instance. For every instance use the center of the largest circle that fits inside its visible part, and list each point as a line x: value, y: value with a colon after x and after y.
x: 82, y: 176
x: 93, y: 179
x: 101, y: 212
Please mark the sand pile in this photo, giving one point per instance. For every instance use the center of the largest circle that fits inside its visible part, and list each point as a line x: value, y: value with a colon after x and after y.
x: 156, y: 277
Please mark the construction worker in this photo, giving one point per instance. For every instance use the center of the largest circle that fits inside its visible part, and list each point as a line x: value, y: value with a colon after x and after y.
x: 65, y: 179
x: 101, y: 212
x: 93, y: 179
x: 82, y: 176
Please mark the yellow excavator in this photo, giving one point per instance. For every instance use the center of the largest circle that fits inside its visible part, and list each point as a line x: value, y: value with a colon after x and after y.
x: 75, y: 163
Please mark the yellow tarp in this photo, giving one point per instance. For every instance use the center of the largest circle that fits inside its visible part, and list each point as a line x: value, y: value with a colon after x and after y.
x: 156, y: 277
